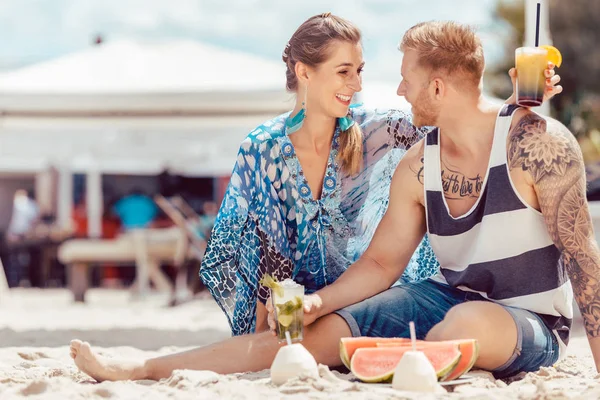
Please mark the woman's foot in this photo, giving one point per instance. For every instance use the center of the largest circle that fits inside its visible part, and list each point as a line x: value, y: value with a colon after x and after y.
x: 102, y: 368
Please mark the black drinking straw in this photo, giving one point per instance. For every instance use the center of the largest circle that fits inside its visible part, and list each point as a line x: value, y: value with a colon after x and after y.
x: 537, y: 26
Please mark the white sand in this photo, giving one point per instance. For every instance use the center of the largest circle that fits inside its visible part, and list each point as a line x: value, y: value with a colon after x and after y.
x: 36, y: 327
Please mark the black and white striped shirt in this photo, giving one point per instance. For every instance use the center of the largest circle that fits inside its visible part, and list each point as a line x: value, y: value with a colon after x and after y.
x: 501, y: 247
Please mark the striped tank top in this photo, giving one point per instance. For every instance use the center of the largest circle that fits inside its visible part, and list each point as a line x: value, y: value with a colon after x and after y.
x: 500, y: 248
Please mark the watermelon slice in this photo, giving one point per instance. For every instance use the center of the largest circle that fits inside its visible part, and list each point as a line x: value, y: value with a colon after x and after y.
x: 349, y: 345
x: 469, y: 350
x: 377, y: 364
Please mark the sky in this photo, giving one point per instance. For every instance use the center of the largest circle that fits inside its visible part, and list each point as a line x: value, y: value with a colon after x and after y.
x: 37, y: 30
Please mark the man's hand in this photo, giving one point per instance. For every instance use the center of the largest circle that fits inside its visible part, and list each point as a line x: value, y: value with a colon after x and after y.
x: 313, y: 306
x: 552, y: 86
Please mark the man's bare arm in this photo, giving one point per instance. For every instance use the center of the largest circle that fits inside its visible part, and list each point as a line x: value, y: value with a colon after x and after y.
x: 551, y: 155
x: 395, y: 240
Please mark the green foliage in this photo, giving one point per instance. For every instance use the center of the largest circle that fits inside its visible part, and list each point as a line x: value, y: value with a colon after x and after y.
x: 574, y: 27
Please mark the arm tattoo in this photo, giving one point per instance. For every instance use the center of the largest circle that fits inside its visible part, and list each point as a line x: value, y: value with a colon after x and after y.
x: 551, y: 155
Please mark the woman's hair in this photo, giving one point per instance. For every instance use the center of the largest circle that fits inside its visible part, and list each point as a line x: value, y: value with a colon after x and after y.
x: 311, y: 45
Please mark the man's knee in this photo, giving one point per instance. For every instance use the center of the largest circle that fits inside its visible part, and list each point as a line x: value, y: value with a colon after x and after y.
x: 467, y: 320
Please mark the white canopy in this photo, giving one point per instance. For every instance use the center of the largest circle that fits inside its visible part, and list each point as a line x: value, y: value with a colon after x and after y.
x: 132, y: 76
x: 135, y: 107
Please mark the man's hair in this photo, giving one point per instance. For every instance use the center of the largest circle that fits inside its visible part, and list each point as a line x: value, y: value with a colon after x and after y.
x: 447, y: 47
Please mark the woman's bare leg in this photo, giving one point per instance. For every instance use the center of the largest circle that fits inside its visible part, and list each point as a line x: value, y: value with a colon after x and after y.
x: 238, y: 354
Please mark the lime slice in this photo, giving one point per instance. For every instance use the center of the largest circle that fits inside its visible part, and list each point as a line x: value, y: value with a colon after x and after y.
x: 285, y: 320
x: 270, y: 282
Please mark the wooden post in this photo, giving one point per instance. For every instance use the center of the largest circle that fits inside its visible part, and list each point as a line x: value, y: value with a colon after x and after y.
x: 3, y: 282
x: 78, y: 280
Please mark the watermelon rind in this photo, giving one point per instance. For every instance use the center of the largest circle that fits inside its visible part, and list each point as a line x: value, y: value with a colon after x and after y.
x: 455, y: 374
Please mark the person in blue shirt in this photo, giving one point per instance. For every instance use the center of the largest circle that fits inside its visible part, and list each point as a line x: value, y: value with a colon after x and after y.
x: 136, y: 210
x: 305, y: 197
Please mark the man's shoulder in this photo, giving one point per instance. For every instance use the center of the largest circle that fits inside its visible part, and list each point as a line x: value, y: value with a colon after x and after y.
x: 408, y: 177
x: 413, y: 160
x: 541, y: 145
x: 528, y: 122
x: 416, y: 151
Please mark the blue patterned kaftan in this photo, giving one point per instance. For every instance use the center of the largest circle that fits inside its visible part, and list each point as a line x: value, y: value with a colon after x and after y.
x: 270, y: 223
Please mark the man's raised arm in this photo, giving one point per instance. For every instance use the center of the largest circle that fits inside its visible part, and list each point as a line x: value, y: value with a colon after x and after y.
x: 550, y: 153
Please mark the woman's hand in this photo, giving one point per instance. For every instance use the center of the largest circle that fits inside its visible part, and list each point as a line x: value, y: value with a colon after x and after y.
x: 313, y: 306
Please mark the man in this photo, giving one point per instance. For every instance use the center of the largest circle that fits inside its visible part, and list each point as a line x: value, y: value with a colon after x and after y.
x: 501, y: 193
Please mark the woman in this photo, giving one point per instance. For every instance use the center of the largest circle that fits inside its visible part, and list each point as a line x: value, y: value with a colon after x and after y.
x: 310, y: 186
x: 305, y: 197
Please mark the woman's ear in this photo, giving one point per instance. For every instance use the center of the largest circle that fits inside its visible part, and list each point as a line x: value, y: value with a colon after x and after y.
x: 301, y: 70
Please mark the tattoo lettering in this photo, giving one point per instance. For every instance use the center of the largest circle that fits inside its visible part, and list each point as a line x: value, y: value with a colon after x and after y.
x: 418, y: 170
x: 457, y: 185
x: 550, y: 153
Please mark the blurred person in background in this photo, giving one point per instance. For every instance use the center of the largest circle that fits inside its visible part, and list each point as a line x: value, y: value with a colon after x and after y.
x: 136, y: 210
x: 25, y: 216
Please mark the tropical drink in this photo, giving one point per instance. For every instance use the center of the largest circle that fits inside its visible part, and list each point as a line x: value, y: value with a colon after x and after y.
x: 531, y: 82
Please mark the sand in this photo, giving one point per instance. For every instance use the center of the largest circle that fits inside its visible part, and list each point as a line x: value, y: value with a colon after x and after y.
x: 37, y: 325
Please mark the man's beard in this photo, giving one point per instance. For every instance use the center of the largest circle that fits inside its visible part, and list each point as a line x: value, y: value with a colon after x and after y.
x: 424, y: 112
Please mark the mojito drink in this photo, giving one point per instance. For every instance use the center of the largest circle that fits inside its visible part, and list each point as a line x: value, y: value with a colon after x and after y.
x: 288, y: 304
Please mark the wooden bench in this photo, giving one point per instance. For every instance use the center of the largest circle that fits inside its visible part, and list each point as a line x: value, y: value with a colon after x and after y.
x: 146, y: 248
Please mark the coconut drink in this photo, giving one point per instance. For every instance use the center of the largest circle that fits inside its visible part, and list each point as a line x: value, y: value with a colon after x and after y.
x: 415, y: 372
x: 292, y: 361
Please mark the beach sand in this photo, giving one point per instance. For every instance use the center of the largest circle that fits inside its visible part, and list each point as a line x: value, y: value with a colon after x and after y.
x: 37, y: 325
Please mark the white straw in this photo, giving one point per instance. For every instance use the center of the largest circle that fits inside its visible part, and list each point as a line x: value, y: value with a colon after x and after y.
x: 413, y: 335
x: 288, y: 338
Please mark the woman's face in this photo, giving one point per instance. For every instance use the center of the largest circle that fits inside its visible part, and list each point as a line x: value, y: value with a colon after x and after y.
x: 333, y: 83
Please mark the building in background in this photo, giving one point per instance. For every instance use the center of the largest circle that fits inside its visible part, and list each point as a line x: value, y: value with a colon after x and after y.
x: 124, y: 114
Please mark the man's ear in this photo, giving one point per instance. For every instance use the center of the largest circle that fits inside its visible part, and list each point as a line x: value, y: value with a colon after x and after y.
x: 438, y: 88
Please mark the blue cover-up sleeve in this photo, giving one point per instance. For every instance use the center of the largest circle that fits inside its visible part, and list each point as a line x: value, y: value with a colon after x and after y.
x: 220, y: 270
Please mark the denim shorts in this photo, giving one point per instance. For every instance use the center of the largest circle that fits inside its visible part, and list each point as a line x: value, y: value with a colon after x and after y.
x: 426, y: 303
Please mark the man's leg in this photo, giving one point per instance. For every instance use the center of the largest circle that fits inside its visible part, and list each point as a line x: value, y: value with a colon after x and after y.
x: 510, y: 339
x: 491, y: 324
x: 389, y: 313
x: 238, y: 354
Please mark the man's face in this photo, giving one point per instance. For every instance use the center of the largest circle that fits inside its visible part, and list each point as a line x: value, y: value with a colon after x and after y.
x: 416, y: 87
